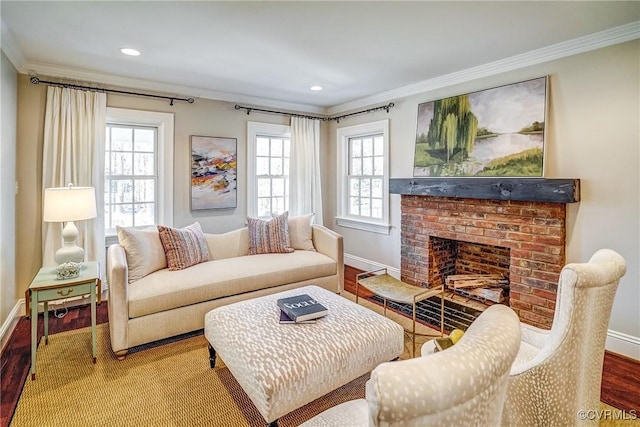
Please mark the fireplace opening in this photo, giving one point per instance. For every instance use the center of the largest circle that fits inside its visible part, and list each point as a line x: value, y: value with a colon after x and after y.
x: 485, y: 266
x: 474, y: 270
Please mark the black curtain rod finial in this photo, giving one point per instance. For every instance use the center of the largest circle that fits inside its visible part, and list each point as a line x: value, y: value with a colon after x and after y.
x: 35, y: 80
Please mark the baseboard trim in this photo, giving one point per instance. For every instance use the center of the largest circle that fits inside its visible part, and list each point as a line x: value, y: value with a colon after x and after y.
x: 368, y: 265
x: 617, y: 342
x: 10, y: 322
x: 626, y: 345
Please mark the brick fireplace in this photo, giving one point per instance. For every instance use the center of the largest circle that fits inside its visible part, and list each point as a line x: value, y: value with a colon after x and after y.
x: 522, y: 239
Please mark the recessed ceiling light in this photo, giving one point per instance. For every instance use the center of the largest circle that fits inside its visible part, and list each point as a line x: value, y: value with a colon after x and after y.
x: 129, y: 51
x: 316, y: 88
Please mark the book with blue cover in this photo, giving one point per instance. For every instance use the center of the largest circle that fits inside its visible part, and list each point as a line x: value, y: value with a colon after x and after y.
x: 286, y: 320
x: 300, y: 308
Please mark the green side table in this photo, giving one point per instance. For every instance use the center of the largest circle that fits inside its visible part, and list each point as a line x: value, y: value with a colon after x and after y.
x: 47, y: 287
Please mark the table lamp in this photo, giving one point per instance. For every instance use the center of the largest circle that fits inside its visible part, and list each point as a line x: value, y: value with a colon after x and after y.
x: 68, y: 204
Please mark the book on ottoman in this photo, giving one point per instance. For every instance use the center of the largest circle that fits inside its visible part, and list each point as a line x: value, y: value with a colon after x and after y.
x: 286, y: 320
x: 302, y: 307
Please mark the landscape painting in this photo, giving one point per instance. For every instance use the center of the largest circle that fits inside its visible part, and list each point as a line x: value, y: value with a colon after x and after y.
x: 213, y: 173
x: 494, y: 132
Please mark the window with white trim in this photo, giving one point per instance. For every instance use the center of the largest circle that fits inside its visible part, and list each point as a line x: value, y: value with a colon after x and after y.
x: 268, y: 169
x: 138, y: 186
x: 363, y: 165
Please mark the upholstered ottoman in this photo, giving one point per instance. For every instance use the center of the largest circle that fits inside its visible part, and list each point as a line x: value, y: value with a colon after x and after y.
x: 282, y: 367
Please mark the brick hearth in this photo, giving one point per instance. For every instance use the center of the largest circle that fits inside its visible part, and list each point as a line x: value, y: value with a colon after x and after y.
x: 534, y: 233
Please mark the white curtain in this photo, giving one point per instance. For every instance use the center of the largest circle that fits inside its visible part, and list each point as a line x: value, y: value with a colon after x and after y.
x: 305, y: 192
x: 74, y: 138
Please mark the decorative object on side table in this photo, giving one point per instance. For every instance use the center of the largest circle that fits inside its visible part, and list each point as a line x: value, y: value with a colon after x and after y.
x: 68, y: 270
x: 69, y: 204
x: 446, y: 342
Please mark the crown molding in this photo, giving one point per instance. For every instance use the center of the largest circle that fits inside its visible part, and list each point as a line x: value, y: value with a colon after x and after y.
x: 71, y: 74
x: 10, y: 47
x: 576, y: 46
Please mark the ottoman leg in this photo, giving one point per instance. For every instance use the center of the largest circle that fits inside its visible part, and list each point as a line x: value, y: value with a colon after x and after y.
x: 273, y: 424
x: 212, y: 357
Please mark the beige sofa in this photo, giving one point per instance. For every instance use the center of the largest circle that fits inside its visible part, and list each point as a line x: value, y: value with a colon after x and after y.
x: 166, y: 303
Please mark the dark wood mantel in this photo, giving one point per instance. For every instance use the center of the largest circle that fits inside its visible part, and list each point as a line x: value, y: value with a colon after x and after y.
x: 522, y: 189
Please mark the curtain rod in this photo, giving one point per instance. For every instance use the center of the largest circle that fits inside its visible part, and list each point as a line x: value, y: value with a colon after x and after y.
x: 35, y: 80
x: 324, y: 119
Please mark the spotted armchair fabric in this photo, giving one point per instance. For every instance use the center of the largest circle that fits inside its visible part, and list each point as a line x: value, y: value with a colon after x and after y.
x: 464, y: 385
x: 557, y: 373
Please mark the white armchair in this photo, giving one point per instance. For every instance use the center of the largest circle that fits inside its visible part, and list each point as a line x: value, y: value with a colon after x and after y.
x: 558, y: 373
x: 463, y: 385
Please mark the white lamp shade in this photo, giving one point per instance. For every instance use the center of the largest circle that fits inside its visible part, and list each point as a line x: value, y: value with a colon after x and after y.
x: 69, y: 204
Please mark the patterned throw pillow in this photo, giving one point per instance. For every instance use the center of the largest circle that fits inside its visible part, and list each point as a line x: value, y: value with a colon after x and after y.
x: 184, y: 247
x: 270, y: 236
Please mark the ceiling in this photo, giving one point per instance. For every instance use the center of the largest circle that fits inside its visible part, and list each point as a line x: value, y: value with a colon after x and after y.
x: 270, y: 53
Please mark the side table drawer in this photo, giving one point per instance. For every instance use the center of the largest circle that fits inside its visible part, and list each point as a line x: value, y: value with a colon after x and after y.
x: 65, y: 291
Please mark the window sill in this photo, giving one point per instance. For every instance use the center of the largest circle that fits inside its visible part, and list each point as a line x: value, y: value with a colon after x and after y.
x: 110, y: 239
x: 372, y: 227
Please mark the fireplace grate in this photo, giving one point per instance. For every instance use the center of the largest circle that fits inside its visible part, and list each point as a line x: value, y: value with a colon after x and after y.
x: 456, y: 315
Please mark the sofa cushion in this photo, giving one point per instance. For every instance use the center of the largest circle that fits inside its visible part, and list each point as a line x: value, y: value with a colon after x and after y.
x: 270, y: 236
x: 165, y: 290
x: 300, y: 232
x: 228, y: 245
x: 184, y: 247
x: 143, y: 249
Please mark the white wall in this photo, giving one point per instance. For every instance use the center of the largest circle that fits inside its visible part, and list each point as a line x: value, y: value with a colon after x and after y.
x: 592, y: 134
x: 8, y: 107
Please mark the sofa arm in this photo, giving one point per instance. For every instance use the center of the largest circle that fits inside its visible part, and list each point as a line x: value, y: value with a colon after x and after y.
x: 329, y: 243
x: 118, y: 301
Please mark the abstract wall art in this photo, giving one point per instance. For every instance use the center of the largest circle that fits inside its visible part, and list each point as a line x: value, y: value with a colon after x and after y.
x: 213, y: 173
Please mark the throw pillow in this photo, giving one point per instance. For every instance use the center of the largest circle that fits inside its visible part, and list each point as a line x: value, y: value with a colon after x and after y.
x: 184, y: 247
x: 228, y: 245
x: 270, y: 236
x: 144, y: 251
x: 300, y: 232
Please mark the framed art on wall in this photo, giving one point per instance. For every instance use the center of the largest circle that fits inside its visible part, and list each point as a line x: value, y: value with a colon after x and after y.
x: 493, y: 132
x: 213, y: 172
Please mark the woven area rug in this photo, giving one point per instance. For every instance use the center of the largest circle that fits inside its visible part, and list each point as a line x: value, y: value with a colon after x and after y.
x: 171, y: 385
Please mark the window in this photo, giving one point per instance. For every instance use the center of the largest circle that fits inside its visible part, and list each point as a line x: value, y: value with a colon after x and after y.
x: 138, y: 187
x: 363, y: 164
x: 130, y: 176
x: 268, y: 169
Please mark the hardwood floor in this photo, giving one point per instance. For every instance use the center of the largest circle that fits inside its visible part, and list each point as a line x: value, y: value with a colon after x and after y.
x: 620, y: 377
